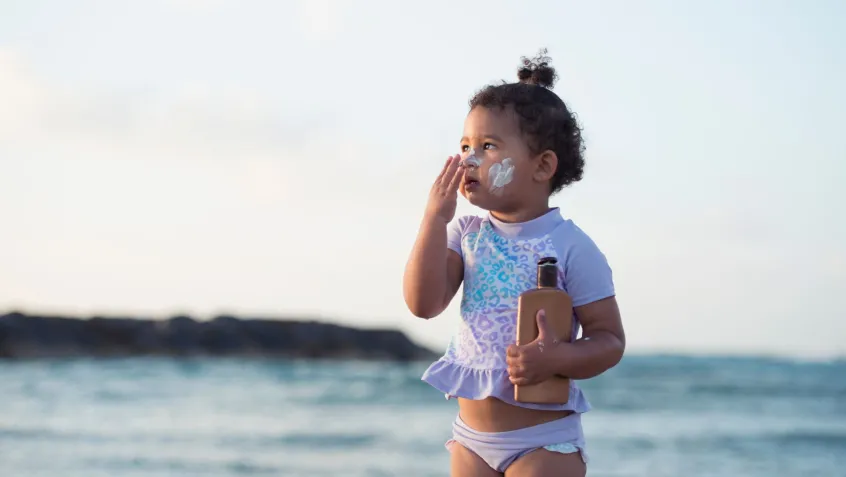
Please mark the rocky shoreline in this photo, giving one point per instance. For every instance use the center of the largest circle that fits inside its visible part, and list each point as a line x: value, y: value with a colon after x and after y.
x: 25, y: 336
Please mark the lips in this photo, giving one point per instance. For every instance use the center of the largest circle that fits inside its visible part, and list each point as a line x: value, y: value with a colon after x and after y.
x: 470, y: 183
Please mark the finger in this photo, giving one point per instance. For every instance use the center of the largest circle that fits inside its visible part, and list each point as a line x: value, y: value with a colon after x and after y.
x: 512, y: 351
x: 451, y: 168
x: 521, y: 381
x: 515, y: 371
x: 457, y: 176
x: 444, y: 170
x: 543, y: 326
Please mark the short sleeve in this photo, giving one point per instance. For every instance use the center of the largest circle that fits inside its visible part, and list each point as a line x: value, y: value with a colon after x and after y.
x: 587, y: 275
x: 455, y: 232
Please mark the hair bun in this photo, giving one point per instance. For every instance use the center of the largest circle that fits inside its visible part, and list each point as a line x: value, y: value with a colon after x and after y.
x: 537, y: 70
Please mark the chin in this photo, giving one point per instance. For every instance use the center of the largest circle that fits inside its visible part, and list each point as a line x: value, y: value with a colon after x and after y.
x: 480, y: 199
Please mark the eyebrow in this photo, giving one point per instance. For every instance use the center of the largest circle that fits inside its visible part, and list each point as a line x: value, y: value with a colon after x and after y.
x: 488, y: 136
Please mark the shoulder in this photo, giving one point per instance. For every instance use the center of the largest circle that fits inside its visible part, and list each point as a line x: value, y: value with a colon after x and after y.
x: 576, y: 249
x: 466, y: 224
x: 458, y: 229
x: 570, y: 238
x: 587, y: 275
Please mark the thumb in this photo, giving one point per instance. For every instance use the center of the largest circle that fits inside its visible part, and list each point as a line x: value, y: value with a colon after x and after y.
x: 543, y: 326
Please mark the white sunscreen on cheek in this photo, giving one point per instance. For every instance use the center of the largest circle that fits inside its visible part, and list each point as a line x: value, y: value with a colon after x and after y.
x: 500, y: 174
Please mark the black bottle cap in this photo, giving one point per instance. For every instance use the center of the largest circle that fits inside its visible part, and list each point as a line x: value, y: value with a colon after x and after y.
x: 548, y: 272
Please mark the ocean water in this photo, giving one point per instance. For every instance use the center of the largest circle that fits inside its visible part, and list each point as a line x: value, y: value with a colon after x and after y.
x: 653, y: 416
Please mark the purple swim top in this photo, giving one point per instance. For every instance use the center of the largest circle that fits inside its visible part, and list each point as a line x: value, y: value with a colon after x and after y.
x: 500, y: 262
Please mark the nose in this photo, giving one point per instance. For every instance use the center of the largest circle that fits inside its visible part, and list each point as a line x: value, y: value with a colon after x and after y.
x: 471, y: 161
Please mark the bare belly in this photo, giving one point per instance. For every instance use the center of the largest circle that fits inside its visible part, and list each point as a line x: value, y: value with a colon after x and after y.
x: 493, y: 415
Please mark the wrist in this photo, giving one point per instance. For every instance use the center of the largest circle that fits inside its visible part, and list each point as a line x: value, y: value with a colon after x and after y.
x: 434, y: 220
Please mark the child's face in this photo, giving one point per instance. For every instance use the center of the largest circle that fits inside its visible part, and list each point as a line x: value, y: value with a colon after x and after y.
x: 496, y: 159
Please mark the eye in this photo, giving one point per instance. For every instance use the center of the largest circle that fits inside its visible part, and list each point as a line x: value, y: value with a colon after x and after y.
x: 465, y: 148
x: 489, y: 146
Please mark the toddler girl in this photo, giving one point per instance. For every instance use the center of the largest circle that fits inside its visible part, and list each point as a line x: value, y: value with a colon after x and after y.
x: 520, y: 145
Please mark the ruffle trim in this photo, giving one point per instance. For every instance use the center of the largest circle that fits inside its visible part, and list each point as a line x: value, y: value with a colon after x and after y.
x: 456, y: 380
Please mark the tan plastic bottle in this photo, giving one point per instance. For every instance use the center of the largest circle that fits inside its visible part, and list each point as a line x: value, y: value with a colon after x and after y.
x: 558, y: 307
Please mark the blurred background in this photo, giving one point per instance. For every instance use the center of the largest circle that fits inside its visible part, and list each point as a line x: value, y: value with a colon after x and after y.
x: 272, y: 159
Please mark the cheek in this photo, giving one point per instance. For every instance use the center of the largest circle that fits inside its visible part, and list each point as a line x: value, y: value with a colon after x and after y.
x: 500, y: 174
x: 487, y: 165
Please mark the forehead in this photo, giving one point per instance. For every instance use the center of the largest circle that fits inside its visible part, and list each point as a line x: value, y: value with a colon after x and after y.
x: 482, y: 122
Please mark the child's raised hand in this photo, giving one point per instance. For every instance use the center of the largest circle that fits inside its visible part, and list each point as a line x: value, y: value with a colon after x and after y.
x: 444, y: 194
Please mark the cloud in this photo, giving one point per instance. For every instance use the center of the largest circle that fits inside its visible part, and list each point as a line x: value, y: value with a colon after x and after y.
x: 23, y: 99
x: 186, y: 123
x: 234, y: 140
x: 321, y: 19
x: 194, y: 6
x: 231, y: 134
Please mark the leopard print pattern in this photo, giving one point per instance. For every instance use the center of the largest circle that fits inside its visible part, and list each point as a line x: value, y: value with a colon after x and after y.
x: 496, y: 271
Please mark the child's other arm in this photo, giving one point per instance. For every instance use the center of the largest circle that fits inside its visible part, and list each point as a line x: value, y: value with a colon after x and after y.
x: 590, y: 284
x: 434, y: 272
x: 600, y: 348
x: 602, y: 344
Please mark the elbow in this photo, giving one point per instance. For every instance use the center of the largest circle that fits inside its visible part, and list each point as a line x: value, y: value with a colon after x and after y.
x: 421, y: 311
x: 422, y: 308
x: 420, y: 303
x: 616, y: 350
x: 619, y: 351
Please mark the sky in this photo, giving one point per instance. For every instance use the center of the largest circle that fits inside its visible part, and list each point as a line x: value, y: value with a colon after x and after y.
x: 269, y: 158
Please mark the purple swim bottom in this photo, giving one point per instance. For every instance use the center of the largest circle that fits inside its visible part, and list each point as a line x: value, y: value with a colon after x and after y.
x: 501, y: 449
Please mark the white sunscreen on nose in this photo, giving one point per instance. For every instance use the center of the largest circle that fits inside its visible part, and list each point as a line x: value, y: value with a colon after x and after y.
x: 471, y: 160
x: 500, y: 174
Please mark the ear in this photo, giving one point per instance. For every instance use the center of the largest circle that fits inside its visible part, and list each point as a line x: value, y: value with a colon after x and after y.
x: 546, y: 164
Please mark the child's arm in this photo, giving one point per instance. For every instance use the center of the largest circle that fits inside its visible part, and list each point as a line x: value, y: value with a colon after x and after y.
x: 433, y: 272
x: 601, y: 346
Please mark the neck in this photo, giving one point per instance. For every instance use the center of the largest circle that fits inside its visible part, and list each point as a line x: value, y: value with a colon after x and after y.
x: 522, y: 215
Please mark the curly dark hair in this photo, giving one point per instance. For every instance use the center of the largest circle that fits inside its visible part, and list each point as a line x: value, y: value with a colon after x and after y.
x: 544, y: 119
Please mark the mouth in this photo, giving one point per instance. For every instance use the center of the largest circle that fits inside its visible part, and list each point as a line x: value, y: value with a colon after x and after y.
x: 470, y: 183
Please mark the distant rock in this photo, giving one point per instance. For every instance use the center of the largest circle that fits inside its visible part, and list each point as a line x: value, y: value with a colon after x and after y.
x: 28, y: 336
